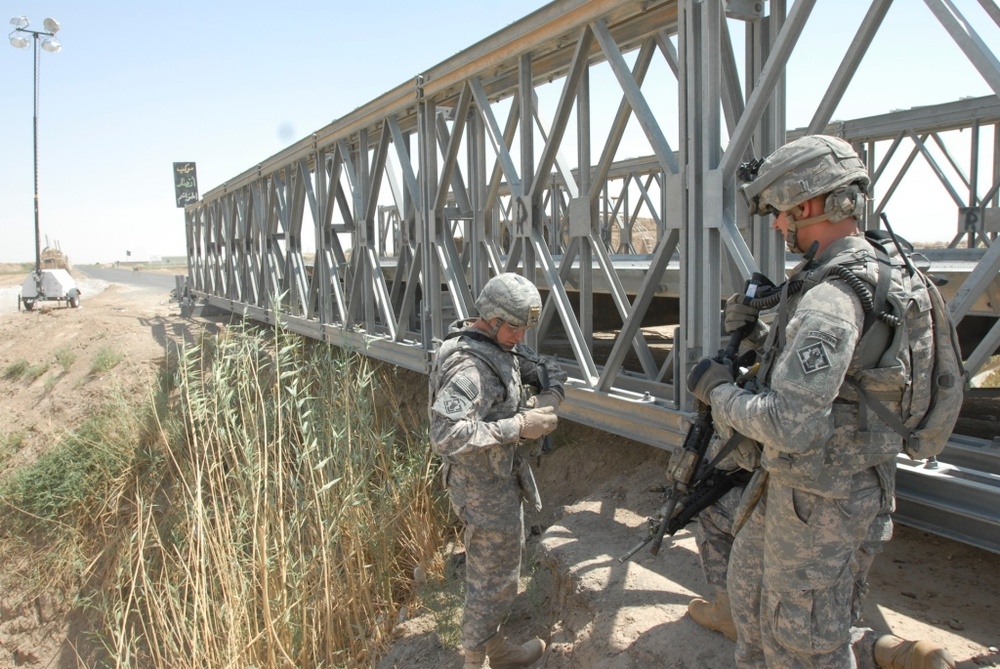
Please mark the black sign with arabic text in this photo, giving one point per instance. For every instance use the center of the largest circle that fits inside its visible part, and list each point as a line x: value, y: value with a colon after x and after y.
x: 185, y: 184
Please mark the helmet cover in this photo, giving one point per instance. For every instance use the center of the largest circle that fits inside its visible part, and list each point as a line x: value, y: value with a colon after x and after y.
x: 511, y: 298
x: 802, y: 169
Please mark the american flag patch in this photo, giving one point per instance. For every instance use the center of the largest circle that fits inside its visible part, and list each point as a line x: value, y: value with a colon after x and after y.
x: 467, y: 387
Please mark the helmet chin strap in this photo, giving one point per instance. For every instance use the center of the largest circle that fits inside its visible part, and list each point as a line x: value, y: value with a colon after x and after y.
x: 794, y: 225
x: 495, y: 327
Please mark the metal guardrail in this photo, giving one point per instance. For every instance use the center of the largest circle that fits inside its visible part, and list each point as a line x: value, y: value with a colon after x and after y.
x: 956, y: 497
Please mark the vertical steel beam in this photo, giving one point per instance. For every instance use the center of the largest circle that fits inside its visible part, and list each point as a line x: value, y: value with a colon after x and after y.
x: 701, y: 72
x: 432, y: 322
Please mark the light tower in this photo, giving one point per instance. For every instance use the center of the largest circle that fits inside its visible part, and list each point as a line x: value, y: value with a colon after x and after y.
x: 46, y: 40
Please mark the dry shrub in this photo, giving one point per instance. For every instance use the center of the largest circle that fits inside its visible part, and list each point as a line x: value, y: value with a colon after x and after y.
x: 284, y: 531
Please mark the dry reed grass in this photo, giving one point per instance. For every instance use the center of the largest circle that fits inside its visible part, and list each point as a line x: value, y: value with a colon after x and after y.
x: 267, y: 508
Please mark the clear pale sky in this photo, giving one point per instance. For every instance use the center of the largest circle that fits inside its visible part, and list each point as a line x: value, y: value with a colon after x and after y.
x: 140, y: 85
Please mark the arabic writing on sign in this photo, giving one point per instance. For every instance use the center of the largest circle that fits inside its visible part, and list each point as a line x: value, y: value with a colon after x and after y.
x: 186, y: 198
x: 185, y: 183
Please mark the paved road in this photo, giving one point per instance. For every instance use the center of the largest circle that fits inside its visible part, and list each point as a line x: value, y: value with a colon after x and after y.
x: 152, y: 281
x: 92, y: 280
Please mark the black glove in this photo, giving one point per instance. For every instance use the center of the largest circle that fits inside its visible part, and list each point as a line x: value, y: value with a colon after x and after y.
x: 740, y: 315
x: 708, y: 374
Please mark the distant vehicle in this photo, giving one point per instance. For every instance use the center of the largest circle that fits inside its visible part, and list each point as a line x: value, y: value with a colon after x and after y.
x: 54, y: 258
x: 51, y: 285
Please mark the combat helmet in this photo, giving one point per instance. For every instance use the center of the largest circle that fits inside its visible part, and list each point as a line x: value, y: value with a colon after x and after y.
x: 511, y: 298
x: 804, y: 168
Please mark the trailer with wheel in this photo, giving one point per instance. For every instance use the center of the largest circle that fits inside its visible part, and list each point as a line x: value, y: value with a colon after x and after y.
x: 49, y: 285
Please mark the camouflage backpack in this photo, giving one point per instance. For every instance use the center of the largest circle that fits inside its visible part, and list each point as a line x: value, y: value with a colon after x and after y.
x: 932, y: 404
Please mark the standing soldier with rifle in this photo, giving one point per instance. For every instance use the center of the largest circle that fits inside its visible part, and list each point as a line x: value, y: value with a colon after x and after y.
x: 714, y: 532
x: 480, y: 412
x: 827, y: 465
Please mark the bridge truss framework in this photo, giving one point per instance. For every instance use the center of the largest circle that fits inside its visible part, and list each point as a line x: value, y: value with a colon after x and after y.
x: 412, y: 201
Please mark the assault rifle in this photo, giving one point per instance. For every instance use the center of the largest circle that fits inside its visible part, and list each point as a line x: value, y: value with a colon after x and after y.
x: 542, y: 371
x: 525, y: 477
x: 705, y: 491
x: 696, y: 484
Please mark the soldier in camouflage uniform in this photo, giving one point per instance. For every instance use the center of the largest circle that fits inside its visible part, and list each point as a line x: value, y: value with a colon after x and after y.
x: 480, y: 411
x: 827, y: 466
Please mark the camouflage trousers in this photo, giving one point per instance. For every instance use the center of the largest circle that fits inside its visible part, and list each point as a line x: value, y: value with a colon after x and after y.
x: 791, y: 579
x: 494, y: 537
x: 714, y: 534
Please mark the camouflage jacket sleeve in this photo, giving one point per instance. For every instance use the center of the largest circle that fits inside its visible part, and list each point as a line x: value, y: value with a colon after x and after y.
x: 467, y: 394
x: 794, y: 411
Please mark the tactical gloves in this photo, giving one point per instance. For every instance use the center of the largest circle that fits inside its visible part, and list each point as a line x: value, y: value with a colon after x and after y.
x: 707, y: 375
x: 546, y: 398
x: 536, y: 423
x: 740, y: 315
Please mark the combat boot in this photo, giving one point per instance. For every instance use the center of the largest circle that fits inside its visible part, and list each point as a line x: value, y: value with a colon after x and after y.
x: 892, y: 652
x: 714, y: 615
x: 476, y: 659
x: 505, y: 655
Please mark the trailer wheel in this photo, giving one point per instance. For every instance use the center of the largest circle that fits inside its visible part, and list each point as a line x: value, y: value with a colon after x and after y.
x: 74, y: 301
x: 28, y: 304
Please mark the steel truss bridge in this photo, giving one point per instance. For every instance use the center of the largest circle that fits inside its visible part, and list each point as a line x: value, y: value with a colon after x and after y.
x: 517, y: 154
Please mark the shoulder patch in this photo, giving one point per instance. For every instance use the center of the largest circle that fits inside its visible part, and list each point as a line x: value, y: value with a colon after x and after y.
x: 813, y: 358
x: 830, y: 339
x: 453, y: 405
x: 466, y: 386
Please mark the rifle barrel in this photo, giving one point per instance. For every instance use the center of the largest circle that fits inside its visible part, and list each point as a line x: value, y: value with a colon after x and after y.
x: 635, y: 549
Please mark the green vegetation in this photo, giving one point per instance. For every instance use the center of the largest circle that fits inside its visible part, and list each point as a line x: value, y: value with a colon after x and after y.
x: 17, y: 268
x: 15, y: 370
x: 50, y: 381
x: 22, y: 370
x: 444, y: 599
x: 265, y: 505
x: 105, y: 360
x: 35, y: 371
x: 74, y: 479
x: 10, y: 443
x: 65, y: 357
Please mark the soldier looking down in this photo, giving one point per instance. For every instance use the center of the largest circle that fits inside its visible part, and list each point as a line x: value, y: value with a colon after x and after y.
x: 480, y: 411
x: 826, y: 468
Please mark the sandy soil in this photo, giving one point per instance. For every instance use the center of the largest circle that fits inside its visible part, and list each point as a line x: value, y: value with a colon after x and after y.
x: 597, y: 613
x: 594, y: 611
